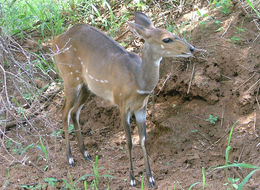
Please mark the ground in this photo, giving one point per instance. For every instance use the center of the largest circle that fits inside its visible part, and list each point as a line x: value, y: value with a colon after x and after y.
x: 222, y: 82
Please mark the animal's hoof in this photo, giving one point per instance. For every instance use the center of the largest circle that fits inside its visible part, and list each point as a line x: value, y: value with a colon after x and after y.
x: 151, y: 181
x: 71, y: 162
x: 132, y: 182
x: 87, y: 156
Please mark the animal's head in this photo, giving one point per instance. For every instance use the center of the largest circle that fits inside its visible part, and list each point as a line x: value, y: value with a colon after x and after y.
x: 162, y: 41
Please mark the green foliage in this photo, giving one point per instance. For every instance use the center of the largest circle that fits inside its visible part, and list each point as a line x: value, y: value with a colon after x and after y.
x: 51, y: 181
x: 211, y: 119
x: 43, y: 149
x: 253, y: 8
x: 193, y: 185
x: 203, y: 178
x: 224, y: 5
x: 228, y: 145
x: 32, y: 187
x: 234, y: 182
x: 142, y: 182
x: 72, y: 184
x: 42, y: 15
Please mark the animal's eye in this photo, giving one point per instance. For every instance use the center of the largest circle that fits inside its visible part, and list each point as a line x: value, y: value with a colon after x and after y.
x: 167, y: 40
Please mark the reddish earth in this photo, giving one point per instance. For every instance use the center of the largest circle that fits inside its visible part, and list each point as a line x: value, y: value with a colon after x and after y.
x: 224, y: 83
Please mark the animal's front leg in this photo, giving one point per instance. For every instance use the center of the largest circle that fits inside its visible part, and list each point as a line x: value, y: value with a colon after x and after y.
x: 140, y: 116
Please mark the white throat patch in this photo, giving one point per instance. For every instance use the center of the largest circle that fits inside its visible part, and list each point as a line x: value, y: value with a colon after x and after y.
x: 157, y: 62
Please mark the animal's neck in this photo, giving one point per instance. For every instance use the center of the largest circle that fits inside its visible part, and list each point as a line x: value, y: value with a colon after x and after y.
x: 148, y: 74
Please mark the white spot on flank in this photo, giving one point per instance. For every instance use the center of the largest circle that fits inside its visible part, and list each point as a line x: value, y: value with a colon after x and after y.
x: 101, y: 81
x: 77, y: 71
x: 143, y: 92
x: 69, y: 66
x: 90, y: 77
x: 97, y: 80
x: 81, y: 62
x: 77, y: 78
x: 106, y: 81
x: 79, y: 58
x: 71, y: 73
x: 162, y: 47
x: 86, y: 70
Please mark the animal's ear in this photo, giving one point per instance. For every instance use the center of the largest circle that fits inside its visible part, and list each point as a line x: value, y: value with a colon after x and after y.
x: 139, y: 30
x: 143, y: 20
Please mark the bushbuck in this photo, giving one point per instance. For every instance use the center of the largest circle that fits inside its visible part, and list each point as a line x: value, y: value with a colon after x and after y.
x: 91, y: 62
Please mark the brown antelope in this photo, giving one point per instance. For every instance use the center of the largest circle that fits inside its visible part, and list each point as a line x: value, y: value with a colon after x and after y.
x: 90, y: 61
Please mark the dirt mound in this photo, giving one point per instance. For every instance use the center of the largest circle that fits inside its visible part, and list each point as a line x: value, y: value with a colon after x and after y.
x: 182, y: 136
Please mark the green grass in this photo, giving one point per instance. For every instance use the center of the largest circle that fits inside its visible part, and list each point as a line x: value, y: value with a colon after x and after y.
x: 29, y: 15
x: 253, y: 8
x: 50, y: 19
x: 73, y: 184
x: 234, y: 181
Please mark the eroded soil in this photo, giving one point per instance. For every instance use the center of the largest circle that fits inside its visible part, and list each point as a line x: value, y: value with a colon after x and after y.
x: 180, y: 141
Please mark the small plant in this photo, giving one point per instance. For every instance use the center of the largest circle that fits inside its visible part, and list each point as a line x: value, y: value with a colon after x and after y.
x: 252, y: 7
x: 142, y: 182
x: 203, y: 178
x: 224, y: 5
x: 236, y: 38
x: 233, y: 182
x: 211, y: 119
x: 51, y: 181
x: 228, y: 145
x: 43, y: 149
x: 96, y: 173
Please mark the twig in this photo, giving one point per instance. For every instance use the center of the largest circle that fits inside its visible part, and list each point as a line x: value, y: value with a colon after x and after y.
x: 169, y: 75
x: 227, y: 27
x: 191, y: 77
x: 257, y: 98
x: 255, y: 125
x: 49, y: 96
x: 245, y: 82
x: 32, y: 164
x: 253, y: 85
x: 240, y: 155
x: 5, y: 86
x: 238, y: 174
x: 216, y: 141
x: 222, y: 116
x: 124, y: 33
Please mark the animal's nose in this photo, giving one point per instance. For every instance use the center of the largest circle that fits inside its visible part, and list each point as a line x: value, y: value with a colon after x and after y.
x: 192, y: 49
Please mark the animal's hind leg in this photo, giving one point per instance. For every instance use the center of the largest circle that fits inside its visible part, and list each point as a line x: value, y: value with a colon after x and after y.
x: 66, y: 116
x: 82, y: 95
